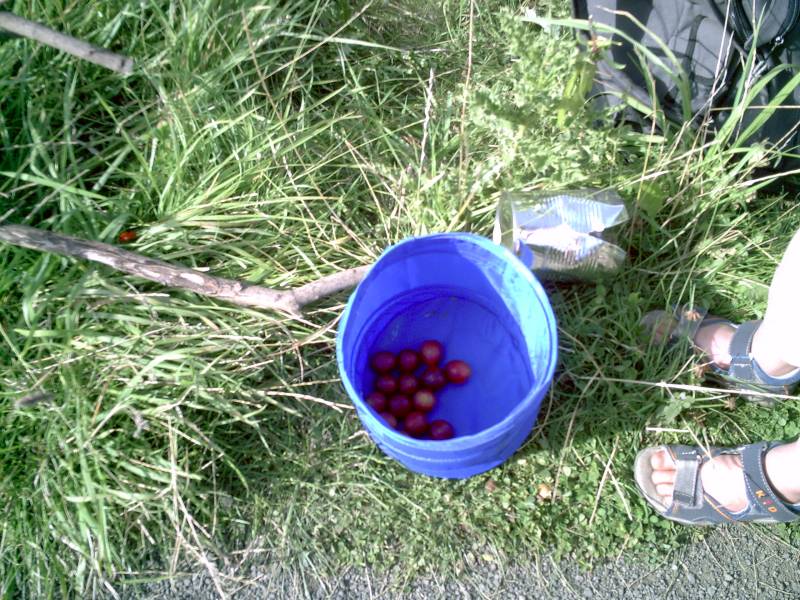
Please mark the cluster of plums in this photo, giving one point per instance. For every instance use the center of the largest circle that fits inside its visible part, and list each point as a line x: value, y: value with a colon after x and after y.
x: 406, y: 385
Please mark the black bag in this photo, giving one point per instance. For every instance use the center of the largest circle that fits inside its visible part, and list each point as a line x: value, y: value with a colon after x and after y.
x: 719, y: 44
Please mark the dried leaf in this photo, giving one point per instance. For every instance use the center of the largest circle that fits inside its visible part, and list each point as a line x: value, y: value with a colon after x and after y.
x: 544, y: 491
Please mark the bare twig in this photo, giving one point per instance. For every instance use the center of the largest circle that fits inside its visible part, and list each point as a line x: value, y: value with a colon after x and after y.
x: 44, y: 35
x: 694, y: 388
x: 235, y: 292
x: 425, y: 124
x: 337, y: 406
x: 603, y: 479
x: 463, y: 150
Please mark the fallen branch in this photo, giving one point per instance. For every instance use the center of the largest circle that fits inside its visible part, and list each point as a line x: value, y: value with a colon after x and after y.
x: 44, y: 35
x: 230, y: 290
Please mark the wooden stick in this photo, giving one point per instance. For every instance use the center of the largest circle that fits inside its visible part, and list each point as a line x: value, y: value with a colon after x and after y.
x: 99, y: 56
x: 230, y: 290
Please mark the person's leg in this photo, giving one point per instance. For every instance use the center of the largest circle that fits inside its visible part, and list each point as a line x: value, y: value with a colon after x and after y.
x: 776, y: 345
x: 776, y: 349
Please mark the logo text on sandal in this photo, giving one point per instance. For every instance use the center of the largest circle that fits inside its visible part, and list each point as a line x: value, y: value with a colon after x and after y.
x: 767, y: 503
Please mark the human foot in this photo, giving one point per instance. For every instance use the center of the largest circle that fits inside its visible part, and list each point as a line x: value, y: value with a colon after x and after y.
x: 711, y: 336
x: 713, y: 341
x: 737, y: 357
x: 722, y: 476
x: 756, y: 482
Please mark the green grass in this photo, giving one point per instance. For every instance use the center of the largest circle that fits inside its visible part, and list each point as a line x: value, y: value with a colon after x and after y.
x: 276, y: 142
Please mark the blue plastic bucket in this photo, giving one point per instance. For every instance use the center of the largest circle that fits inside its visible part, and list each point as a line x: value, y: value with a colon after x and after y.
x: 486, y: 308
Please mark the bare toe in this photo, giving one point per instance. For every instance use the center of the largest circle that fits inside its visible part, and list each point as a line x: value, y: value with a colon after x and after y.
x: 660, y: 477
x: 665, y: 491
x: 662, y: 461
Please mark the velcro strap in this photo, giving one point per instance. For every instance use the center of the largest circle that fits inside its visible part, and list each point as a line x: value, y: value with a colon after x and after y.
x: 741, y: 361
x: 759, y: 488
x: 687, y: 466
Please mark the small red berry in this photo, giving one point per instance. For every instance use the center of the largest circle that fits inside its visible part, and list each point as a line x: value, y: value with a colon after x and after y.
x: 386, y: 384
x: 127, y: 236
x: 457, y: 371
x: 382, y: 362
x: 433, y: 379
x: 377, y: 400
x: 424, y: 400
x: 441, y: 430
x: 431, y: 352
x: 407, y: 384
x: 399, y: 405
x: 407, y: 361
x: 416, y: 424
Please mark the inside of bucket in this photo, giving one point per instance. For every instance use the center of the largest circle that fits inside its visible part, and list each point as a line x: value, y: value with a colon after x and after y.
x: 471, y: 328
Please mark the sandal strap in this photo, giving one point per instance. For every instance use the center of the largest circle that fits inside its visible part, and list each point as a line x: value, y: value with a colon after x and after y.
x: 744, y: 367
x: 687, y: 473
x: 762, y: 496
x: 690, y: 502
x: 741, y: 360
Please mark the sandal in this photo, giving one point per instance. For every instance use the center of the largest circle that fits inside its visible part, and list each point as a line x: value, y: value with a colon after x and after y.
x: 744, y: 374
x: 691, y: 505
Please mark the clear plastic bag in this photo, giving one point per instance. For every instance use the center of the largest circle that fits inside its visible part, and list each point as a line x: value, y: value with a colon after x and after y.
x: 563, y: 235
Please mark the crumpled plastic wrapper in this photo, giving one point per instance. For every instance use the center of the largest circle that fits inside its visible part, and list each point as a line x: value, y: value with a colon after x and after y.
x: 563, y: 235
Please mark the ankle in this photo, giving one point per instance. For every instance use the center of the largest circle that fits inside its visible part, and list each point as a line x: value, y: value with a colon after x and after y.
x: 780, y: 464
x: 715, y: 343
x: 763, y: 352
